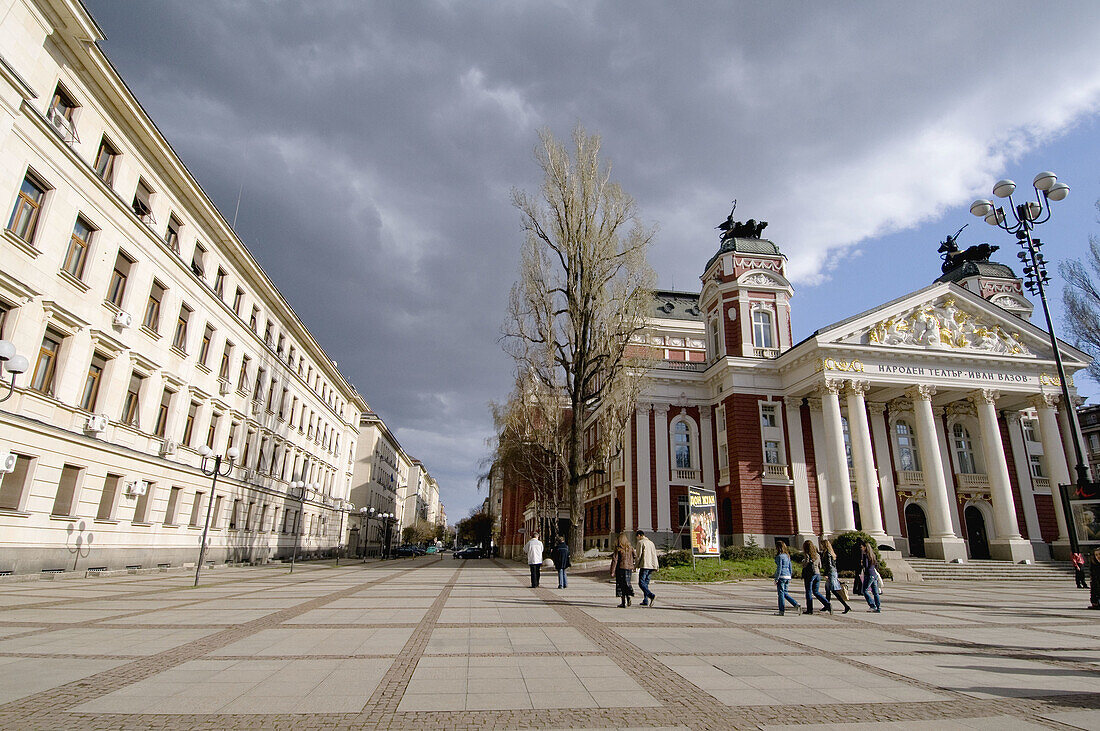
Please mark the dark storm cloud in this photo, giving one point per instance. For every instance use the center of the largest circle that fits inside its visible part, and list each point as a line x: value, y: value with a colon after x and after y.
x: 377, y: 144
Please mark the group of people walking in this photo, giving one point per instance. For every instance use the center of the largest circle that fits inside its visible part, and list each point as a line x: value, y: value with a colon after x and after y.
x: 818, y: 566
x: 1093, y: 563
x: 624, y: 560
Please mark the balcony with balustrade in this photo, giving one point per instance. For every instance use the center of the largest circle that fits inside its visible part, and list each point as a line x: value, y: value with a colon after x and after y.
x: 776, y: 474
x: 687, y: 476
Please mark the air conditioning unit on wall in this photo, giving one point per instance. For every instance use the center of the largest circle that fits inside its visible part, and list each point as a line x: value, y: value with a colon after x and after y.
x: 123, y: 319
x: 7, y: 462
x: 136, y: 488
x: 96, y: 423
x: 169, y: 447
x: 223, y: 387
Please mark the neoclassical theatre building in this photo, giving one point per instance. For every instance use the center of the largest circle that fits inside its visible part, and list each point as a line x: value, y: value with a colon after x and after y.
x: 151, y: 334
x: 933, y: 422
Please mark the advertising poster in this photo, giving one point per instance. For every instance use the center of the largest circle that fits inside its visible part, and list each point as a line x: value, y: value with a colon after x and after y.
x: 704, y: 522
x: 1083, y: 503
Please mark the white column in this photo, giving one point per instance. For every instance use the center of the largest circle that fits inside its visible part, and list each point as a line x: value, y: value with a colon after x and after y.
x: 1055, y: 458
x: 1008, y: 544
x: 948, y: 470
x: 863, y: 462
x: 942, y: 541
x: 817, y: 433
x: 792, y: 418
x: 1022, y: 464
x: 645, y: 490
x: 887, y: 490
x: 839, y: 487
x: 706, y: 447
x: 628, y: 489
x: 660, y: 443
x: 1068, y: 433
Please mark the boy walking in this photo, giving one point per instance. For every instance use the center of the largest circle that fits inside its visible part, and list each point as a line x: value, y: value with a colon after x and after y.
x: 647, y: 564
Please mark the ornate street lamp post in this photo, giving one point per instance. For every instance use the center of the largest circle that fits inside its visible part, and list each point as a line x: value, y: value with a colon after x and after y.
x: 1020, y: 221
x: 299, y: 490
x: 214, y: 471
x: 13, y: 363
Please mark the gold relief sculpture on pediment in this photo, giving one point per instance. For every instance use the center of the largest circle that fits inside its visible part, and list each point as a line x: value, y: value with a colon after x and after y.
x: 944, y: 326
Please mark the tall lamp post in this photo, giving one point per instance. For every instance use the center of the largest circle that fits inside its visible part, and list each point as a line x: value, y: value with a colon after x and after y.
x: 13, y: 363
x: 214, y: 471
x: 1020, y: 221
x: 299, y: 490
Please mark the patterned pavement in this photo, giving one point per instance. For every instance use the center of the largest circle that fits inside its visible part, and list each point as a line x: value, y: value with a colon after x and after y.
x: 439, y: 643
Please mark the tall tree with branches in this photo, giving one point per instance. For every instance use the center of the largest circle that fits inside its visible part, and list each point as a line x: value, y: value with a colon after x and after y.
x: 1081, y: 298
x: 577, y: 312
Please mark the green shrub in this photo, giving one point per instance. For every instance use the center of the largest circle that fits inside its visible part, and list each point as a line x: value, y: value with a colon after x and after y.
x: 846, y: 546
x: 674, y: 558
x: 749, y: 552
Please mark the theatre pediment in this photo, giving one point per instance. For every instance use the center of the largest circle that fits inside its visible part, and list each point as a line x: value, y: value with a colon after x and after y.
x: 947, y: 320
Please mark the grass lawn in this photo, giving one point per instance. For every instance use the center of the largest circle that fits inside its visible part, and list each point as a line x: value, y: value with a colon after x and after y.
x: 708, y: 569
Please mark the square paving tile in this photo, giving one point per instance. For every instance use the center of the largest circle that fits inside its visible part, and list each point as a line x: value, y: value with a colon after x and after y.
x: 692, y: 640
x: 352, y: 641
x: 249, y: 687
x: 25, y: 676
x: 103, y: 641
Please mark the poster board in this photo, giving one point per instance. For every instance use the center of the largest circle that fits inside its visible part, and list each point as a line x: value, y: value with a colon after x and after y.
x: 703, y: 506
x: 1082, y: 507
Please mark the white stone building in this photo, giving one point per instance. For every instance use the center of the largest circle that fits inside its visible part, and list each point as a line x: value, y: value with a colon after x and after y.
x: 151, y: 332
x: 380, y: 474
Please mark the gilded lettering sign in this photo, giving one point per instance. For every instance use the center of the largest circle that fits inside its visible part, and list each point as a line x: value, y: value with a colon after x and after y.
x: 833, y: 364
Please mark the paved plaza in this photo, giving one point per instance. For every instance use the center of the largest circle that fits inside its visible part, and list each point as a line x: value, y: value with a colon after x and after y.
x: 440, y: 643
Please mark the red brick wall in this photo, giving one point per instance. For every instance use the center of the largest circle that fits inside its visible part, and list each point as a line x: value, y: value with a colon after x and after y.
x: 811, y: 468
x: 732, y: 327
x: 1013, y: 479
x: 1048, y: 524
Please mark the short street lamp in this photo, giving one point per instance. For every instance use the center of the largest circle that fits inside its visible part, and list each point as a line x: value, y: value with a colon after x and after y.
x: 1020, y: 222
x: 13, y: 363
x: 299, y: 490
x: 215, y: 471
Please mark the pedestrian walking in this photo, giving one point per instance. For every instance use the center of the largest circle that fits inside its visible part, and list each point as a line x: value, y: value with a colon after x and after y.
x: 559, y: 554
x: 870, y: 577
x: 833, y: 587
x: 811, y: 577
x: 783, y: 577
x: 622, y: 567
x: 1094, y: 572
x: 1078, y: 562
x: 647, y: 564
x: 533, y: 549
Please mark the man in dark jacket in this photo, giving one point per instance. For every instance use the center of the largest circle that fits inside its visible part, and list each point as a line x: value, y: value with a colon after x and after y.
x: 560, y: 556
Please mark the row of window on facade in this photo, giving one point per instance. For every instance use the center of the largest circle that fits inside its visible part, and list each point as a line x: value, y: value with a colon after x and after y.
x: 763, y: 331
x: 242, y: 515
x: 29, y: 204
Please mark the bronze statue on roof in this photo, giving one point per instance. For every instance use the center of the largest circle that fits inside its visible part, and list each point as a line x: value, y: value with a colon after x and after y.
x: 732, y: 229
x: 953, y: 257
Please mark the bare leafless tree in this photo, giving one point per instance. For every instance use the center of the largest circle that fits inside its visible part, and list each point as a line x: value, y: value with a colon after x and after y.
x: 577, y: 312
x: 1082, y: 302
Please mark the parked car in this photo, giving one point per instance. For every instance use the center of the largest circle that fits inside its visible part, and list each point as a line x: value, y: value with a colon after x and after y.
x: 406, y: 552
x: 431, y: 549
x: 469, y: 552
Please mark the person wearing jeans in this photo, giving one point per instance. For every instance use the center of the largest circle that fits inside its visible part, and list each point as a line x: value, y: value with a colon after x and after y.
x: 533, y: 549
x: 811, y: 577
x: 647, y: 564
x: 870, y: 578
x: 783, y: 577
x: 559, y: 554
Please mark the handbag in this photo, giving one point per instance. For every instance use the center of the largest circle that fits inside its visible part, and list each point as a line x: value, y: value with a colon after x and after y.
x: 857, y: 585
x: 842, y: 593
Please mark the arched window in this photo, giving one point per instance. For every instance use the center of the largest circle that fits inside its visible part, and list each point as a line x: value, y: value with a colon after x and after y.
x: 681, y: 445
x: 762, y: 334
x: 715, y: 336
x: 964, y: 449
x: 908, y: 456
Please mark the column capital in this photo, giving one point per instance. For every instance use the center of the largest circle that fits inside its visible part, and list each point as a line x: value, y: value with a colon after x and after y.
x: 1044, y: 400
x: 876, y: 407
x: 831, y: 385
x: 858, y: 387
x: 921, y: 392
x: 643, y: 409
x: 704, y: 413
x: 1014, y: 417
x: 814, y: 403
x: 984, y: 396
x: 660, y: 409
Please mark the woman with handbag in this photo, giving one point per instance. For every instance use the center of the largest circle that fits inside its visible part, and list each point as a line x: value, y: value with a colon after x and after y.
x: 811, y: 577
x: 783, y: 577
x: 622, y: 567
x: 833, y: 587
x: 870, y: 577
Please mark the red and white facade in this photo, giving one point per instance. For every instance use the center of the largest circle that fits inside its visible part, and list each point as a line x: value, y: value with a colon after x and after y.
x: 933, y: 422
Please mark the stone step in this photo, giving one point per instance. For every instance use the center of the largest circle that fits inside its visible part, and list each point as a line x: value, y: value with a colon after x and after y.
x: 984, y: 570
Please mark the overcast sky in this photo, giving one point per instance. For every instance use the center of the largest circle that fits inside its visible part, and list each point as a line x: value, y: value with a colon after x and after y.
x: 377, y: 144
